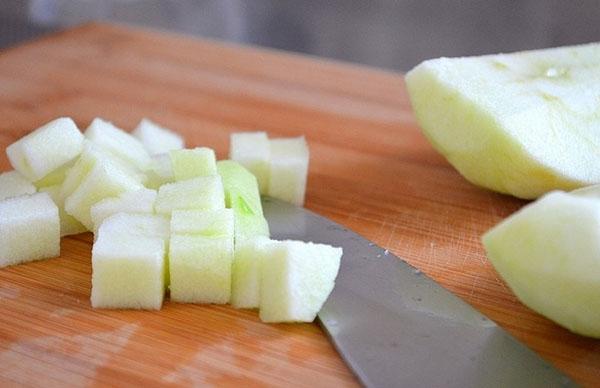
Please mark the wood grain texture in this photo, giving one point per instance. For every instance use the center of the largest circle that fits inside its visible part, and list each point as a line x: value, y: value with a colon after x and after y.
x: 371, y: 170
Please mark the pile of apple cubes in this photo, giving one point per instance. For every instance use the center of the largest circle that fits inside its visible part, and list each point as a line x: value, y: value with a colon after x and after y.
x: 165, y: 217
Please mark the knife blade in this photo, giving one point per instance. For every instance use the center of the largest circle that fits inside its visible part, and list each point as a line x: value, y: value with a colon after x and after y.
x: 395, y: 327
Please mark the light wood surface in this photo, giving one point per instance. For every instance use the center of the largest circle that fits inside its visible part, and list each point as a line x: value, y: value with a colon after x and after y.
x: 371, y: 170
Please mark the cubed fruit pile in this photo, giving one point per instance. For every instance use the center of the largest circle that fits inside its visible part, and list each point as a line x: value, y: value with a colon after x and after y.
x: 165, y: 218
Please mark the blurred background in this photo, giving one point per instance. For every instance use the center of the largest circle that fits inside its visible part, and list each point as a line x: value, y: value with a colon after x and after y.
x: 385, y: 33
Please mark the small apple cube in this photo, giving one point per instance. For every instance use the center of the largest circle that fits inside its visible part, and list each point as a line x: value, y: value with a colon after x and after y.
x: 118, y: 143
x: 200, y: 268
x: 160, y: 172
x: 245, y: 272
x: 13, y: 184
x: 202, y: 193
x: 207, y: 223
x: 139, y: 201
x: 288, y: 169
x: 106, y: 179
x: 68, y: 224
x: 46, y: 149
x: 29, y: 229
x: 188, y: 164
x: 296, y: 279
x: 243, y: 197
x: 157, y: 139
x: 252, y: 150
x: 128, y: 265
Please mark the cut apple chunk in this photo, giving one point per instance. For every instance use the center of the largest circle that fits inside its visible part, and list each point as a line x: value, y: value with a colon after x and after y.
x: 201, y: 255
x: 288, y: 169
x: 139, y: 201
x: 245, y: 272
x: 203, y: 193
x: 29, y: 229
x: 106, y: 179
x: 188, y: 164
x: 549, y: 255
x: 200, y: 268
x: 128, y: 262
x: 119, y: 144
x: 68, y: 224
x: 522, y: 123
x: 46, y: 149
x: 243, y: 197
x: 252, y: 150
x: 157, y: 139
x: 13, y: 184
x: 296, y: 279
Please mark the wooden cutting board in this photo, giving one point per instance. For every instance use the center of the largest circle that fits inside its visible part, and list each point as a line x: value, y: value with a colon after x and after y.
x: 371, y: 170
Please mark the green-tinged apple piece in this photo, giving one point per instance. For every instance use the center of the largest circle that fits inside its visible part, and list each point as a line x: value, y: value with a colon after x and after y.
x: 13, y: 184
x: 202, y: 193
x: 288, y: 169
x: 128, y: 263
x: 243, y: 197
x: 592, y: 191
x: 119, y: 144
x: 252, y: 150
x: 46, y: 149
x: 200, y: 268
x: 157, y: 139
x: 523, y: 124
x: 296, y: 279
x: 160, y: 172
x: 549, y: 255
x: 68, y: 224
x: 106, y: 179
x: 29, y: 229
x: 188, y: 164
x: 139, y: 201
x: 245, y: 272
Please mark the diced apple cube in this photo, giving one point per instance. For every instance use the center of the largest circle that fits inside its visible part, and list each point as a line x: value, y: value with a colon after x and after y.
x: 29, y: 229
x: 288, y: 169
x: 139, y: 201
x: 245, y: 272
x: 13, y: 184
x: 106, y: 179
x: 202, y: 193
x: 128, y: 267
x: 188, y: 164
x: 252, y: 150
x: 157, y: 139
x: 200, y: 268
x: 68, y: 224
x: 242, y: 195
x: 46, y: 149
x: 207, y: 223
x: 296, y: 279
x: 118, y: 143
x: 160, y: 172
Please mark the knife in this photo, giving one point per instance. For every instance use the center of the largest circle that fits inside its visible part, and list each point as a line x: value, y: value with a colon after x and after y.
x: 395, y: 327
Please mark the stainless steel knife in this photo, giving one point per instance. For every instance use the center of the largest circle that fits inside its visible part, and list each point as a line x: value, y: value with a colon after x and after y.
x: 395, y: 327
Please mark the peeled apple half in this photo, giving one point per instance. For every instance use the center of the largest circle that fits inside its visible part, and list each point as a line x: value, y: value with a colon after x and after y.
x: 549, y: 255
x: 523, y: 124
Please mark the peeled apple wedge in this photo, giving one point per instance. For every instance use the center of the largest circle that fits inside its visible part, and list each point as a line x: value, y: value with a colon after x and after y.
x: 523, y: 124
x: 549, y: 255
